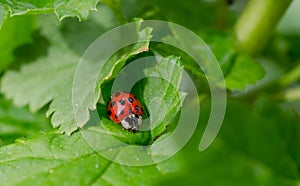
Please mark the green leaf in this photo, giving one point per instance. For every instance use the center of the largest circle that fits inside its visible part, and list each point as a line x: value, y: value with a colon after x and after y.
x: 14, y: 32
x: 53, y: 75
x: 161, y: 93
x: 108, y: 127
x: 62, y: 8
x: 44, y: 159
x: 48, y: 79
x: 85, y: 94
x: 19, y: 122
x: 245, y: 71
x: 163, y: 100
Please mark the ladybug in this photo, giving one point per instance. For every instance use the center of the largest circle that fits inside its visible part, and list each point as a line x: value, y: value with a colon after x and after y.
x: 124, y: 108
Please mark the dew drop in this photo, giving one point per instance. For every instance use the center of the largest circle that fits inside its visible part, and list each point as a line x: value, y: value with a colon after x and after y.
x: 51, y: 171
x: 110, y: 149
x: 97, y: 166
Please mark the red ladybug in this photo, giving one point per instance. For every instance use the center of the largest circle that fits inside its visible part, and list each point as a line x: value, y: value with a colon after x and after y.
x: 124, y: 108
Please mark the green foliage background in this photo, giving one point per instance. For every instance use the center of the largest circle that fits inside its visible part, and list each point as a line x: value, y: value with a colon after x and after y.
x: 255, y: 42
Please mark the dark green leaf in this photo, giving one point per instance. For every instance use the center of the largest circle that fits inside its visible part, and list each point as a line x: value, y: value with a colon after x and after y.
x: 19, y: 122
x: 62, y: 8
x: 244, y: 71
x: 239, y: 70
x: 14, y: 32
x: 258, y: 145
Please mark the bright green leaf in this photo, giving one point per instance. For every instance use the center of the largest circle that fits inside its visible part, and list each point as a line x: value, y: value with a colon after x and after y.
x: 62, y: 8
x: 161, y: 93
x: 44, y: 159
x: 162, y: 98
x: 52, y: 77
x: 111, y: 128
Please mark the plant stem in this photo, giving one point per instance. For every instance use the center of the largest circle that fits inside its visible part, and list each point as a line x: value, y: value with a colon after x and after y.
x: 257, y: 23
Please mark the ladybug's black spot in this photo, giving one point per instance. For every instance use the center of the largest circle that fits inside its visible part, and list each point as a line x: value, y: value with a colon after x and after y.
x: 122, y: 102
x: 137, y: 108
x: 117, y: 94
x: 113, y: 103
x: 130, y: 100
x: 122, y: 112
x: 108, y: 112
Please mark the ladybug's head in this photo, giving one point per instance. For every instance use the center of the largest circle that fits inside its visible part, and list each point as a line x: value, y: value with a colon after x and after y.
x: 132, y: 122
